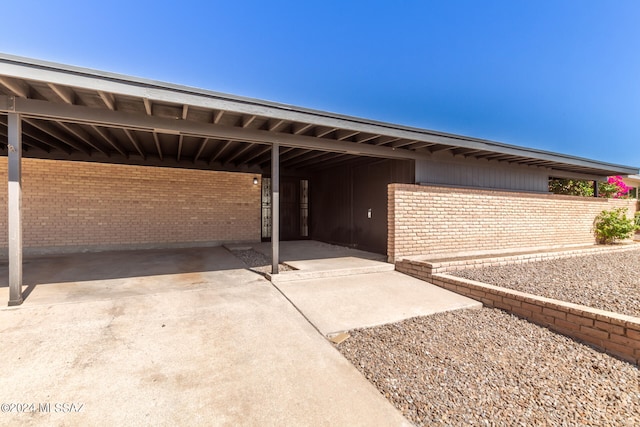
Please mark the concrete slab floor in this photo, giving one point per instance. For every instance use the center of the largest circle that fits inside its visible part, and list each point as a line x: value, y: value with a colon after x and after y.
x: 223, y: 348
x: 338, y: 304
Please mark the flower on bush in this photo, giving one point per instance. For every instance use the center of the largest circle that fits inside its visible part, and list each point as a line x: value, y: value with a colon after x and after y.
x: 614, y: 187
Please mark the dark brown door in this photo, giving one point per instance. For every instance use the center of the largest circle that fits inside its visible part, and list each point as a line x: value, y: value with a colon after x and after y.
x: 289, y: 209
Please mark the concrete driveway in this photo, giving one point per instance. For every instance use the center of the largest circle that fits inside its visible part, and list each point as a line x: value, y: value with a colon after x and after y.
x: 208, y: 344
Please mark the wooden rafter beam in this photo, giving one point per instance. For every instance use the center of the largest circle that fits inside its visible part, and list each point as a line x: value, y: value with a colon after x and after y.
x: 81, y: 134
x: 134, y: 141
x: 218, y: 152
x: 157, y: 141
x: 16, y: 87
x: 180, y: 141
x: 246, y: 121
x: 203, y: 145
x: 299, y: 128
x: 55, y: 133
x: 64, y: 93
x: 238, y: 153
x: 109, y: 139
x: 108, y: 99
x: 148, y: 106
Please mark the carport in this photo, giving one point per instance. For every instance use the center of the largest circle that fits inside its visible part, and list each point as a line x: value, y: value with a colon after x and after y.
x: 65, y: 113
x: 56, y: 112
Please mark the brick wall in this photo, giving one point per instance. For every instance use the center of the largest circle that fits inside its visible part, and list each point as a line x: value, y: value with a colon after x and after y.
x: 77, y: 206
x: 428, y: 220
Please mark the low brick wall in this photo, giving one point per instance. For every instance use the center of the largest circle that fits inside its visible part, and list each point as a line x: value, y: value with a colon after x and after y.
x: 613, y: 333
x: 427, y: 220
x: 77, y: 206
x: 431, y: 266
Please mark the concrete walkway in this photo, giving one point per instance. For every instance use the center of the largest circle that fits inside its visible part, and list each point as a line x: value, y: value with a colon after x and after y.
x: 339, y: 289
x: 181, y: 337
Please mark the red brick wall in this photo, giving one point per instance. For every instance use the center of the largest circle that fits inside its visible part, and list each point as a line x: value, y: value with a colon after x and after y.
x: 427, y: 220
x: 92, y: 206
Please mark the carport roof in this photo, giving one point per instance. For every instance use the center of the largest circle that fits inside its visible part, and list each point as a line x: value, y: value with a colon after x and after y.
x: 81, y: 114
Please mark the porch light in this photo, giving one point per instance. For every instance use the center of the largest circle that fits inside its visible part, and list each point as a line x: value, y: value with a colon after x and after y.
x: 255, y: 180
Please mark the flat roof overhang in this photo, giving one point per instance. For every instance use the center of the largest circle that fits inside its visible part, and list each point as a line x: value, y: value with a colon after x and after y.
x: 80, y: 114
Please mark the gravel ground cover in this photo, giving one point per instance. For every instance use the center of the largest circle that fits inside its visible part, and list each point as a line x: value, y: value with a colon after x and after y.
x: 488, y: 368
x: 257, y: 261
x: 608, y: 281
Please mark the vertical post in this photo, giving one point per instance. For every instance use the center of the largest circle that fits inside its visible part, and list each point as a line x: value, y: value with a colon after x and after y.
x: 595, y: 189
x: 275, y: 208
x: 14, y: 144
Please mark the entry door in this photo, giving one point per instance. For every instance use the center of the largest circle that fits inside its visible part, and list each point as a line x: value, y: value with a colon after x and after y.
x: 294, y: 208
x: 290, y: 209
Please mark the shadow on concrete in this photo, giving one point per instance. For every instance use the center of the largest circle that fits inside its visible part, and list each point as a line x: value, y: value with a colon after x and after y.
x: 120, y: 264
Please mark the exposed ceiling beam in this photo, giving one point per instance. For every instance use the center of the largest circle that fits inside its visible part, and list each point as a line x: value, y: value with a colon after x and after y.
x: 148, y: 106
x: 326, y: 158
x: 17, y: 87
x: 342, y: 134
x: 106, y: 135
x: 121, y: 119
x: 81, y: 134
x: 246, y: 121
x: 157, y: 141
x: 218, y: 117
x: 321, y: 133
x: 134, y: 141
x: 361, y: 139
x: 180, y: 141
x: 243, y: 148
x: 108, y: 99
x: 46, y: 142
x: 65, y: 93
x: 219, y: 151
x: 402, y: 143
x: 54, y: 132
x: 301, y: 128
x: 275, y: 124
x: 259, y: 152
x: 185, y: 111
x: 293, y: 155
x: 266, y: 156
x: 203, y: 145
x: 304, y: 159
x: 383, y: 140
x: 28, y: 140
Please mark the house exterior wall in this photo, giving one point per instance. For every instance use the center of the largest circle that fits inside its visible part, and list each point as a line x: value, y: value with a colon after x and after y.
x: 432, y: 220
x: 445, y: 169
x: 70, y: 206
x: 342, y: 196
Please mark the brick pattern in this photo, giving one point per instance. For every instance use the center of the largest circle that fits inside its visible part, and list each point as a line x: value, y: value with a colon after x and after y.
x: 613, y: 333
x: 93, y: 205
x: 427, y: 220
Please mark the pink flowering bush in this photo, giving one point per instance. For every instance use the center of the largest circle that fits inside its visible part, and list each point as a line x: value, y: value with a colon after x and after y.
x: 614, y: 187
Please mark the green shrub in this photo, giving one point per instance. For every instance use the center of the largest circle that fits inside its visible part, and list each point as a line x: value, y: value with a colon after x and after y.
x: 637, y: 220
x: 613, y: 225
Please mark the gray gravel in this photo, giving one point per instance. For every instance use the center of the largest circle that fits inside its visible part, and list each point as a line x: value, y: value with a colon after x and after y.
x: 488, y: 368
x: 605, y: 281
x: 257, y: 261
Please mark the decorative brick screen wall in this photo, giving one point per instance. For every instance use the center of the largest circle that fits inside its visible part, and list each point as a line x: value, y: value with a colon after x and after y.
x: 71, y: 206
x: 429, y: 220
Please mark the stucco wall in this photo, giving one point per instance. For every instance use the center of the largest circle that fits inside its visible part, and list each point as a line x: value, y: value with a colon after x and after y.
x: 437, y: 220
x: 71, y: 206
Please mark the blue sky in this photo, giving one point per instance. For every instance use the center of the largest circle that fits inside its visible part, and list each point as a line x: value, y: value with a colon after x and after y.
x: 556, y: 75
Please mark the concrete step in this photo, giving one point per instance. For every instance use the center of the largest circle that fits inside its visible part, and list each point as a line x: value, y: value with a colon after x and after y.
x: 290, y: 276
